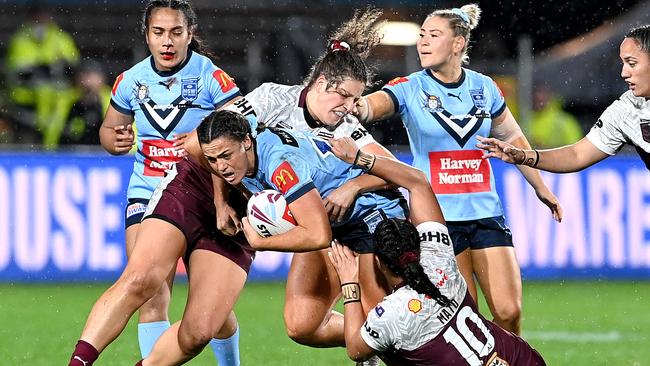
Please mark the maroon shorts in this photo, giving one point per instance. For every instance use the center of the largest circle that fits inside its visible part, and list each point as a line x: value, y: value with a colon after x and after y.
x: 185, y: 199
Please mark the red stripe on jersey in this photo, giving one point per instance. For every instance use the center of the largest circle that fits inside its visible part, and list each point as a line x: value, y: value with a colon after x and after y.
x: 117, y: 82
x: 225, y: 81
x: 398, y: 80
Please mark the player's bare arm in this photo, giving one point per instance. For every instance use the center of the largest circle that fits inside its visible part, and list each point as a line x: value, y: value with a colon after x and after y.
x: 312, y: 231
x: 116, y: 133
x: 566, y: 159
x: 374, y: 107
x: 424, y: 208
x: 341, y: 199
x: 531, y: 175
x: 347, y: 267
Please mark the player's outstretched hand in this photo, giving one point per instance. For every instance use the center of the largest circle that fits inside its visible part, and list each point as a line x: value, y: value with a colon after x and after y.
x: 495, y: 148
x: 345, y: 263
x: 344, y: 148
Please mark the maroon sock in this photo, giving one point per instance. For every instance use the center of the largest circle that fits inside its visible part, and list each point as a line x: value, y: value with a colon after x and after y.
x: 139, y: 363
x: 84, y: 354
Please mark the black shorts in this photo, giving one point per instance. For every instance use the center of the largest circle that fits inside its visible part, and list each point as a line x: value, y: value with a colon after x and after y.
x: 185, y: 199
x: 134, y: 211
x: 479, y: 234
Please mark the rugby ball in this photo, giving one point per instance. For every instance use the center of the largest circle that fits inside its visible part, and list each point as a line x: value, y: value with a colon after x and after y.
x: 268, y: 213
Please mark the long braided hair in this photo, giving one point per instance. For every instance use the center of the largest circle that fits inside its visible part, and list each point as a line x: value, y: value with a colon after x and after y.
x: 397, y: 244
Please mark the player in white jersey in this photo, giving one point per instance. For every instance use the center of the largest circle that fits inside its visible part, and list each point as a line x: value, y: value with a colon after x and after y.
x: 443, y: 107
x: 429, y: 318
x: 626, y: 121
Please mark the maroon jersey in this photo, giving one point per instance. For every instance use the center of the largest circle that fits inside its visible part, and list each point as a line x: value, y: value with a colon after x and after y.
x: 408, y: 328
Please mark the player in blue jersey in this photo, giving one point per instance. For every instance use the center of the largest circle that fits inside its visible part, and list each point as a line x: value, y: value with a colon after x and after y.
x: 165, y: 94
x: 443, y: 108
x: 303, y: 169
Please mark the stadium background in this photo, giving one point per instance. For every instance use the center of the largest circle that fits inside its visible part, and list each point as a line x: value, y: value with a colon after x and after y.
x: 585, y: 280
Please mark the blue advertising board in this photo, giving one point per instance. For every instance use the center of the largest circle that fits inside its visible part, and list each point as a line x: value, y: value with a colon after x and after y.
x: 61, y: 219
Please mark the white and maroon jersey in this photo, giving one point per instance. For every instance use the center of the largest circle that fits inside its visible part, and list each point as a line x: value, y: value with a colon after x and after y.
x: 626, y: 121
x: 284, y: 106
x: 408, y: 328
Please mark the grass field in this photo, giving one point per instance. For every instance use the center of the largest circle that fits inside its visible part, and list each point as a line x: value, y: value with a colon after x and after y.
x: 570, y: 323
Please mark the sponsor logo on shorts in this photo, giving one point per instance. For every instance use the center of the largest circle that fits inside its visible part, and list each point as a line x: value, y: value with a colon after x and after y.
x: 284, y: 177
x: 461, y: 171
x: 135, y: 208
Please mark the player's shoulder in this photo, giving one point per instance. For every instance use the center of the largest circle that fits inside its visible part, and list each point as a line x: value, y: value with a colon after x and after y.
x: 475, y: 77
x: 276, y: 88
x: 629, y: 100
x: 140, y: 68
x: 415, y: 77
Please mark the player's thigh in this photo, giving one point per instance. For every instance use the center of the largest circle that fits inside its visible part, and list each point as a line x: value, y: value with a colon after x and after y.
x: 464, y: 262
x: 312, y: 285
x: 499, y: 276
x: 215, y: 283
x: 158, y: 246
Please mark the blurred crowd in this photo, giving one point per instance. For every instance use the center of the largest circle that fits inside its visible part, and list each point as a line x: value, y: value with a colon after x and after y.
x: 54, y: 97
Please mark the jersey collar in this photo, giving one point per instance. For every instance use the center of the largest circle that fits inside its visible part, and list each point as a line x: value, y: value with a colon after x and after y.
x: 453, y: 85
x: 302, y: 103
x: 174, y: 69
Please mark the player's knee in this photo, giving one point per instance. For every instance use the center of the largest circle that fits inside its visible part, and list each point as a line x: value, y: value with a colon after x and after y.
x: 139, y: 284
x: 300, y: 330
x: 507, y: 313
x: 192, y: 338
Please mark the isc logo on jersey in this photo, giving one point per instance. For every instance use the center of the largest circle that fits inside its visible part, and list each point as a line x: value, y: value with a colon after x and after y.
x: 268, y: 213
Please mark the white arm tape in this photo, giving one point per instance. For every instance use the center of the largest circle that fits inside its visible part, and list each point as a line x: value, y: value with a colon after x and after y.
x: 508, y: 130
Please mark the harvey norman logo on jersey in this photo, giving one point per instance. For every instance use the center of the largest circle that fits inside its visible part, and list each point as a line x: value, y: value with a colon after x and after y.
x: 462, y: 171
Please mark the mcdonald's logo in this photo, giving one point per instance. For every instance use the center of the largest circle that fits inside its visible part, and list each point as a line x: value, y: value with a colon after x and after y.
x: 117, y: 83
x: 225, y: 81
x: 284, y: 177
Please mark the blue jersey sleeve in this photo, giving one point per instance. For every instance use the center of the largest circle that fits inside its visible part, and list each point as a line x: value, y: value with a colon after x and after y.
x: 498, y: 101
x: 221, y: 86
x: 121, y: 95
x: 289, y: 174
x: 398, y: 89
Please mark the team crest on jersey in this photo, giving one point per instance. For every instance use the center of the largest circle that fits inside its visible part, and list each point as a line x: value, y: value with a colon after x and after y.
x: 415, y: 306
x: 141, y: 92
x: 496, y: 361
x: 433, y: 103
x: 189, y: 88
x: 478, y: 98
x: 645, y: 130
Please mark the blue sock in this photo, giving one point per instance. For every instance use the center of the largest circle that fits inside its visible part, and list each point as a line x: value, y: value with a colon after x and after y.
x: 148, y: 334
x: 226, y: 350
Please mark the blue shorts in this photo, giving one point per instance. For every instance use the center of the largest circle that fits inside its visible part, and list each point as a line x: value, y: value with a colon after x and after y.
x: 357, y: 235
x: 479, y: 234
x: 134, y: 211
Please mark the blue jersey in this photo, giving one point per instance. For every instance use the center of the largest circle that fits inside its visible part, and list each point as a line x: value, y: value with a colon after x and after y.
x: 165, y: 103
x: 295, y: 163
x: 442, y: 120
